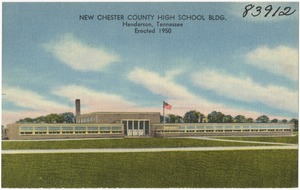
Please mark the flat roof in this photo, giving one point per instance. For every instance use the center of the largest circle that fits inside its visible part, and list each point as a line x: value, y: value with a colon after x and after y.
x: 119, y: 113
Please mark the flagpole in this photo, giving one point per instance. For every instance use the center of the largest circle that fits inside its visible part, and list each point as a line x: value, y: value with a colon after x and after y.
x: 163, y: 119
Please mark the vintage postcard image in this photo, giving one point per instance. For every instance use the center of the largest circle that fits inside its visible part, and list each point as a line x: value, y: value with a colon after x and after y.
x: 150, y: 94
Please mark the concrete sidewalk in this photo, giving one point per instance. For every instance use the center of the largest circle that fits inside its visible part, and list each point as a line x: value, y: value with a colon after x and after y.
x: 128, y: 150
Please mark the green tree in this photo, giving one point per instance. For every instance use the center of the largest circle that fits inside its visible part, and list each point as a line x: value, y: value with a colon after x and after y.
x: 240, y: 119
x: 175, y: 118
x: 295, y: 121
x: 262, y: 119
x: 68, y: 117
x: 215, y: 117
x: 228, y: 119
x: 193, y: 116
x: 274, y: 120
x: 250, y: 120
x: 27, y: 120
x: 284, y: 121
x: 54, y: 118
x: 40, y: 119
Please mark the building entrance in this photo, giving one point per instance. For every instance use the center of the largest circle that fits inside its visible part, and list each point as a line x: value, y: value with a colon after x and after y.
x: 136, y: 127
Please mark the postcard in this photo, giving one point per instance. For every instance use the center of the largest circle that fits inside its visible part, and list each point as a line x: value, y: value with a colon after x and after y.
x: 150, y: 94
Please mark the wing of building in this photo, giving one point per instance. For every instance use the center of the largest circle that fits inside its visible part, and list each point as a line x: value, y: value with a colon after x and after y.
x: 137, y: 124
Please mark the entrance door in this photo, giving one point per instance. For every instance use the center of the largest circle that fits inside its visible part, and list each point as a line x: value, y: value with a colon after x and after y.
x: 136, y: 127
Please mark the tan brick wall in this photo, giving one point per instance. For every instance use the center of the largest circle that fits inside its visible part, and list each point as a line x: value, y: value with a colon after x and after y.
x: 116, y: 117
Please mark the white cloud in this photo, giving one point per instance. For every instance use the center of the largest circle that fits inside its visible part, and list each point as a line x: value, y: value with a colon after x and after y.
x: 245, y: 89
x: 80, y: 56
x: 281, y: 60
x: 31, y: 100
x: 36, y: 104
x: 92, y: 100
x: 179, y: 96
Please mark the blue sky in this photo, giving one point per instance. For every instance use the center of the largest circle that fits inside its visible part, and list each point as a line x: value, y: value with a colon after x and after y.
x: 245, y: 66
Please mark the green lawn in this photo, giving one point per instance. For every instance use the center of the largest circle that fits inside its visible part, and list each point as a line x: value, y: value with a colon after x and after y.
x: 291, y: 140
x: 218, y: 169
x: 118, y: 143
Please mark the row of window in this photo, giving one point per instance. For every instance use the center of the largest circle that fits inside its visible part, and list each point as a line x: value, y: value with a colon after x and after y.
x: 70, y: 130
x: 91, y: 119
x: 207, y: 131
x: 231, y: 127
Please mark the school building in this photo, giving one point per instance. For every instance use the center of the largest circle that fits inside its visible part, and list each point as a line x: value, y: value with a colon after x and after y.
x: 137, y: 124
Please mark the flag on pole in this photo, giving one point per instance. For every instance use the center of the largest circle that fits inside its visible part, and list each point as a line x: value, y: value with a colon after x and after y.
x: 167, y: 106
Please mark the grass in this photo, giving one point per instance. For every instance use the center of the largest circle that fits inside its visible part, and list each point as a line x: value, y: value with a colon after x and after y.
x: 118, y: 143
x: 291, y: 140
x: 217, y: 169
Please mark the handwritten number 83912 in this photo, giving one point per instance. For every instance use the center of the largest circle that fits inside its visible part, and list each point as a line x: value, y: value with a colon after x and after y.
x: 267, y: 11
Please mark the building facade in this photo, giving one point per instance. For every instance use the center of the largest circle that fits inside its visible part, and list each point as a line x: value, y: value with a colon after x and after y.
x: 141, y: 127
x: 137, y: 124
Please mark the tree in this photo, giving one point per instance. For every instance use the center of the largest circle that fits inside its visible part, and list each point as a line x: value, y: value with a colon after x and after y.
x: 228, y: 119
x: 215, y: 117
x: 40, y: 119
x: 240, y: 119
x: 26, y: 120
x: 262, y: 119
x: 167, y: 119
x: 175, y: 118
x: 284, y: 121
x: 54, y: 118
x: 68, y: 117
x: 274, y: 120
x: 249, y: 120
x: 295, y: 121
x: 193, y: 116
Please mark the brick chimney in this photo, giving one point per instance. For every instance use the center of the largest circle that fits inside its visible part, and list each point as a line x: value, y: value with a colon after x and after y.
x: 77, y: 104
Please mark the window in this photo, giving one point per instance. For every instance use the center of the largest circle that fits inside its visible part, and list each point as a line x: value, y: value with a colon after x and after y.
x: 67, y: 128
x: 94, y: 128
x: 54, y: 128
x: 26, y: 133
x: 80, y: 128
x: 135, y: 124
x: 200, y: 127
x: 67, y: 132
x: 92, y: 132
x: 116, y: 128
x: 209, y: 127
x: 147, y: 127
x: 40, y: 128
x: 141, y: 124
x: 104, y: 128
x: 26, y: 128
x: 181, y: 128
x: 191, y: 127
x: 79, y: 132
x: 130, y: 125
x: 54, y: 132
x: 125, y: 127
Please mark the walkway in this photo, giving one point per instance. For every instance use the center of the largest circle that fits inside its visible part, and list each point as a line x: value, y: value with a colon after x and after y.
x: 127, y: 150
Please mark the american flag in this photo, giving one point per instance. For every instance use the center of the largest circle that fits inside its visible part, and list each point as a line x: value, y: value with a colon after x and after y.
x: 167, y: 106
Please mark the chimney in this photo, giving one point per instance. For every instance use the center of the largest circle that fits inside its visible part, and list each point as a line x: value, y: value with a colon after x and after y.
x: 77, y: 104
